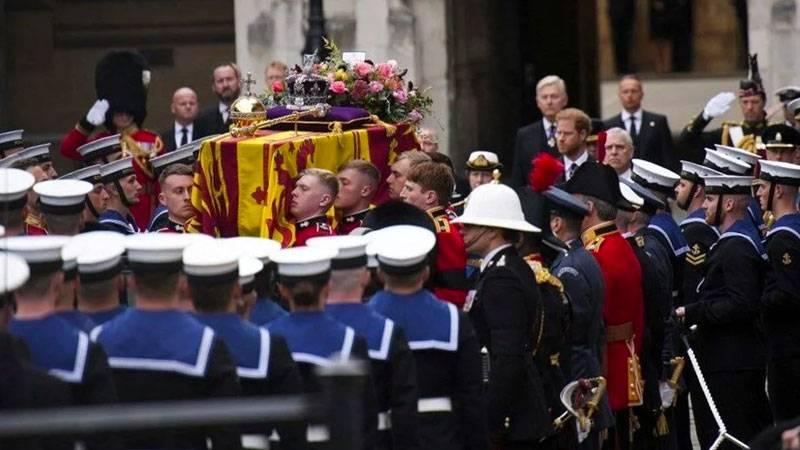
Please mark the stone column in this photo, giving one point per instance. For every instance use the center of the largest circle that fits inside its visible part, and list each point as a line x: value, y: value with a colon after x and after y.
x: 774, y: 28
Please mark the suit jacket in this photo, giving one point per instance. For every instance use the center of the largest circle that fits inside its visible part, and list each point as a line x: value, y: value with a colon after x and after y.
x: 168, y: 136
x: 654, y: 142
x: 531, y: 139
x: 209, y: 122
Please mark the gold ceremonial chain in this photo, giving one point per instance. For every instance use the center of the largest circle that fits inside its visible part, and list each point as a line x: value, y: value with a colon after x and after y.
x: 250, y: 130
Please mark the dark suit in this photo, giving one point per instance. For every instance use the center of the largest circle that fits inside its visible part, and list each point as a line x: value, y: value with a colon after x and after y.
x: 168, y: 137
x: 531, y: 139
x: 654, y: 141
x: 209, y: 122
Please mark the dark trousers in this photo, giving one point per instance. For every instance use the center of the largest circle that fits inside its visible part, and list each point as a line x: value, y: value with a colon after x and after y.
x: 618, y: 435
x: 783, y: 382
x: 682, y: 422
x: 741, y: 401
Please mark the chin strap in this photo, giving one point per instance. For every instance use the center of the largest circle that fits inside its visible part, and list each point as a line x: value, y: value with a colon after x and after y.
x: 685, y: 205
x: 718, y: 212
x: 91, y: 208
x: 121, y: 192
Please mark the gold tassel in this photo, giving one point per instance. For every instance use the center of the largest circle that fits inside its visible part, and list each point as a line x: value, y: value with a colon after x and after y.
x: 335, y: 128
x: 662, y: 426
x: 390, y: 129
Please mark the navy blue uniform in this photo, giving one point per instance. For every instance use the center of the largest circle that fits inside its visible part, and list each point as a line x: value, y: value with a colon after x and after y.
x: 102, y: 317
x: 264, y: 366
x: 728, y: 342
x: 583, y: 282
x: 265, y: 311
x: 445, y: 348
x: 781, y: 302
x: 315, y: 339
x: 507, y: 314
x: 393, y: 371
x: 67, y: 354
x: 77, y: 319
x: 699, y: 236
x: 168, y: 355
x: 114, y: 221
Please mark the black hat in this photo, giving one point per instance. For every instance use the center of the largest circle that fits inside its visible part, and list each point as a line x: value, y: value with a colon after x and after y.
x: 396, y: 212
x: 563, y: 202
x: 787, y: 93
x: 752, y: 85
x: 121, y: 77
x: 780, y: 137
x: 651, y: 203
x: 597, y: 180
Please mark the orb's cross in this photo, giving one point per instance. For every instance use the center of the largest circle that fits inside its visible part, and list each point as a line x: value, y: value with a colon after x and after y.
x: 248, y: 81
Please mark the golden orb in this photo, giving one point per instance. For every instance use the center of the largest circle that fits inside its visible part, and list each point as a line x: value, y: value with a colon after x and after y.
x: 247, y: 110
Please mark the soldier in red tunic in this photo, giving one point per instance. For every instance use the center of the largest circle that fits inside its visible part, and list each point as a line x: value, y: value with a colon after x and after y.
x: 121, y: 79
x: 34, y: 220
x: 358, y: 183
x: 623, y: 308
x: 428, y: 186
x: 312, y: 197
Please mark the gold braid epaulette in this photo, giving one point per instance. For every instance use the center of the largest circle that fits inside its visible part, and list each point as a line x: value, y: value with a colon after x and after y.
x: 543, y: 276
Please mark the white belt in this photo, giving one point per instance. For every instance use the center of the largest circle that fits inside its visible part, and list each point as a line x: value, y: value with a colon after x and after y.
x: 434, y: 404
x: 384, y: 421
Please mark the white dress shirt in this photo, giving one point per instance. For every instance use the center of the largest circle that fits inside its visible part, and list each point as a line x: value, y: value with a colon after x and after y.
x: 625, y: 175
x: 223, y: 110
x: 179, y: 135
x: 486, y: 259
x: 568, y: 163
x: 626, y: 120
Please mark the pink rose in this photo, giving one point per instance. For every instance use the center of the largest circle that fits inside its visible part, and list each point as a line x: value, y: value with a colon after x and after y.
x: 360, y: 90
x: 414, y: 116
x: 400, y: 95
x: 384, y: 70
x: 277, y: 86
x: 338, y: 87
x: 362, y: 69
x: 375, y: 87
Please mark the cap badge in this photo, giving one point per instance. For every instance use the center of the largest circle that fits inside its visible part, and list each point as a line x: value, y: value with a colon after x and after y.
x: 480, y: 161
x: 786, y: 259
x: 778, y: 137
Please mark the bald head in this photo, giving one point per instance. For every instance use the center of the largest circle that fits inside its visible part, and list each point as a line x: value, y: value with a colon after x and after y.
x: 184, y: 105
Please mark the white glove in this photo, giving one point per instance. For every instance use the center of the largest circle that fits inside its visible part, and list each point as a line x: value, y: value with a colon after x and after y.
x: 718, y: 105
x: 97, y: 114
x: 667, y: 394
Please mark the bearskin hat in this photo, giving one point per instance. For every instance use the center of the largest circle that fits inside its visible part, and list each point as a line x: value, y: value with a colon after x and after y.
x: 121, y: 77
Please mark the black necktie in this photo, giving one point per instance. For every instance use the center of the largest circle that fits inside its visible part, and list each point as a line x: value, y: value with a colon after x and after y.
x: 633, y: 132
x: 572, y: 170
x: 552, y: 132
x: 184, y: 136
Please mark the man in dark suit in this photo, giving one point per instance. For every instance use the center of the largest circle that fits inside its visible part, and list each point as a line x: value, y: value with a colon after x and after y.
x: 652, y: 138
x: 551, y: 97
x: 227, y: 85
x: 184, y: 108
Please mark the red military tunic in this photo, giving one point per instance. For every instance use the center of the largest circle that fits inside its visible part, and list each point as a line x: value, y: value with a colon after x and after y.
x: 309, y: 228
x: 351, y: 222
x: 149, y: 142
x: 450, y: 279
x: 34, y: 225
x: 623, y: 306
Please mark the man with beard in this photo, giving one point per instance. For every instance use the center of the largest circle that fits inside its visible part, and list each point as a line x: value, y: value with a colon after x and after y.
x: 727, y: 340
x: 96, y: 199
x: 312, y: 197
x: 506, y: 310
x: 777, y: 192
x: 123, y: 188
x: 226, y: 84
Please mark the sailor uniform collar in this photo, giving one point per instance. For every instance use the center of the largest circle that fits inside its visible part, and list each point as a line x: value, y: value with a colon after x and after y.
x: 116, y: 220
x: 600, y: 230
x: 55, y: 346
x: 789, y: 222
x: 312, y: 221
x: 248, y: 344
x: 266, y: 310
x: 314, y: 337
x: 664, y: 224
x: 77, y: 319
x: 428, y: 323
x: 167, y: 341
x: 377, y: 330
x: 697, y: 216
x: 744, y: 229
